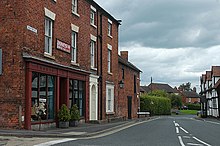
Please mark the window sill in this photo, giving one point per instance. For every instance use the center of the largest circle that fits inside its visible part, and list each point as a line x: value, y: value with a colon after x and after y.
x: 110, y: 36
x: 94, y: 68
x: 93, y: 25
x: 48, y: 56
x: 74, y: 63
x: 110, y: 113
x: 76, y: 14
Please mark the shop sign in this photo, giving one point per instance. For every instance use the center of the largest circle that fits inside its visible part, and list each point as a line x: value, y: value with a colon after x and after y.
x: 63, y: 46
x: 0, y: 61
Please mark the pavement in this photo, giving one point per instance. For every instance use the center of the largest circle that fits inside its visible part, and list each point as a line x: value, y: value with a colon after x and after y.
x: 83, y: 130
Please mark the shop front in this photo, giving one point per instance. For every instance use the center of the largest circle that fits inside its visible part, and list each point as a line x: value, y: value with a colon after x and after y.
x: 48, y: 86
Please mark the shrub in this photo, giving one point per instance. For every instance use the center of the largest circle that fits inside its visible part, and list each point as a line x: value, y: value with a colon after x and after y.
x: 64, y: 114
x: 156, y: 105
x: 74, y: 113
x: 192, y: 106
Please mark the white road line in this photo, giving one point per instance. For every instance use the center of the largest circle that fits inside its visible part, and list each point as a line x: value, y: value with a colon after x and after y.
x: 201, y: 141
x: 212, y: 122
x: 194, y: 144
x: 181, y: 141
x: 55, y: 142
x: 177, y: 125
x: 184, y: 130
x: 177, y: 130
x: 188, y: 137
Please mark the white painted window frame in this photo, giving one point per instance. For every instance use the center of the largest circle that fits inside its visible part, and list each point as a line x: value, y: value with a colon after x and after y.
x: 49, y: 18
x: 109, y: 58
x: 109, y: 99
x: 109, y: 28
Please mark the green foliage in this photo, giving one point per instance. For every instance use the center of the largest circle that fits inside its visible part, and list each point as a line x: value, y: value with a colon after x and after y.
x: 192, y: 106
x: 185, y: 87
x: 74, y: 113
x: 64, y: 114
x: 159, y: 93
x: 155, y: 104
x: 176, y: 101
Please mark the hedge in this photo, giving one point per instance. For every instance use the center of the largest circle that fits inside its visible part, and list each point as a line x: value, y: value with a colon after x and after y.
x: 156, y: 105
x: 192, y: 106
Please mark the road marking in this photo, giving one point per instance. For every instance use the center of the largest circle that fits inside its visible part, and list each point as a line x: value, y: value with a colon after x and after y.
x: 55, y: 142
x: 201, y: 141
x: 188, y: 137
x: 177, y: 125
x: 194, y: 144
x: 212, y: 122
x: 184, y: 130
x: 177, y: 130
x: 181, y: 141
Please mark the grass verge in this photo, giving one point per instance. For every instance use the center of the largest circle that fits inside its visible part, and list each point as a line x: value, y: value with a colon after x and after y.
x: 188, y: 112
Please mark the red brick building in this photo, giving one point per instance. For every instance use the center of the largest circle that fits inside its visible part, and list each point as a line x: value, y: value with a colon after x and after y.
x: 58, y: 52
x: 129, y: 74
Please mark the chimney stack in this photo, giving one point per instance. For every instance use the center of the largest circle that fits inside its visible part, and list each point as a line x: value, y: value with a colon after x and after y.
x: 124, y: 55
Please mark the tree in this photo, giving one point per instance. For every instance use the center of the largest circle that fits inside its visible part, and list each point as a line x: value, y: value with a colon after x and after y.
x: 176, y: 101
x: 185, y: 87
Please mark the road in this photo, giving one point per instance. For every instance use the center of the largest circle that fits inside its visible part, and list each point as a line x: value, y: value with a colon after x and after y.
x: 163, y: 131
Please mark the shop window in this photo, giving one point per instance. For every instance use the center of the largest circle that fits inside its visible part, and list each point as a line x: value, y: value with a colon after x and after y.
x: 42, y: 97
x: 76, y: 95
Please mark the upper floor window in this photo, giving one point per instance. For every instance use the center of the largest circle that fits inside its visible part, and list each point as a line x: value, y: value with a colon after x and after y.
x: 75, y: 6
x: 123, y: 73
x: 93, y: 51
x: 109, y: 28
x: 92, y: 47
x: 92, y: 16
x: 48, y: 36
x: 74, y: 46
x: 109, y: 60
x: 135, y: 84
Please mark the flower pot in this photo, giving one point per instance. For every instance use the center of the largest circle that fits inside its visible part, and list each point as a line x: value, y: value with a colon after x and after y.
x: 63, y: 124
x: 74, y: 123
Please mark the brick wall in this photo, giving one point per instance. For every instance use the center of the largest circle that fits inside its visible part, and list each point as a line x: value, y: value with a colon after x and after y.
x: 128, y: 90
x: 15, y: 16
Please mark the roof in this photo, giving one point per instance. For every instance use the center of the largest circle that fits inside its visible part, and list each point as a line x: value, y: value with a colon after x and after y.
x: 190, y: 94
x: 216, y: 71
x: 128, y: 64
x: 160, y: 86
x: 208, y: 75
x: 203, y: 78
x: 145, y: 89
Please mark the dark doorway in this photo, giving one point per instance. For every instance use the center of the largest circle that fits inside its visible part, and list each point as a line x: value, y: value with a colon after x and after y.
x: 129, y: 107
x: 63, y: 93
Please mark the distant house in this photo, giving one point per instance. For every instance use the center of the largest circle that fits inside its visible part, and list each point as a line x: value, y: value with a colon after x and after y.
x: 165, y: 87
x: 190, y: 97
x: 144, y: 89
x: 210, y: 92
x: 158, y: 86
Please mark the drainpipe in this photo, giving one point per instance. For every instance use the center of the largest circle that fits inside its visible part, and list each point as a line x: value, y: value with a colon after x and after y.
x: 100, y: 69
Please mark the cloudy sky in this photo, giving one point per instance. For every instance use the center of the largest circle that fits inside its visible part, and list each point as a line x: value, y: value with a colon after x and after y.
x: 173, y: 41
